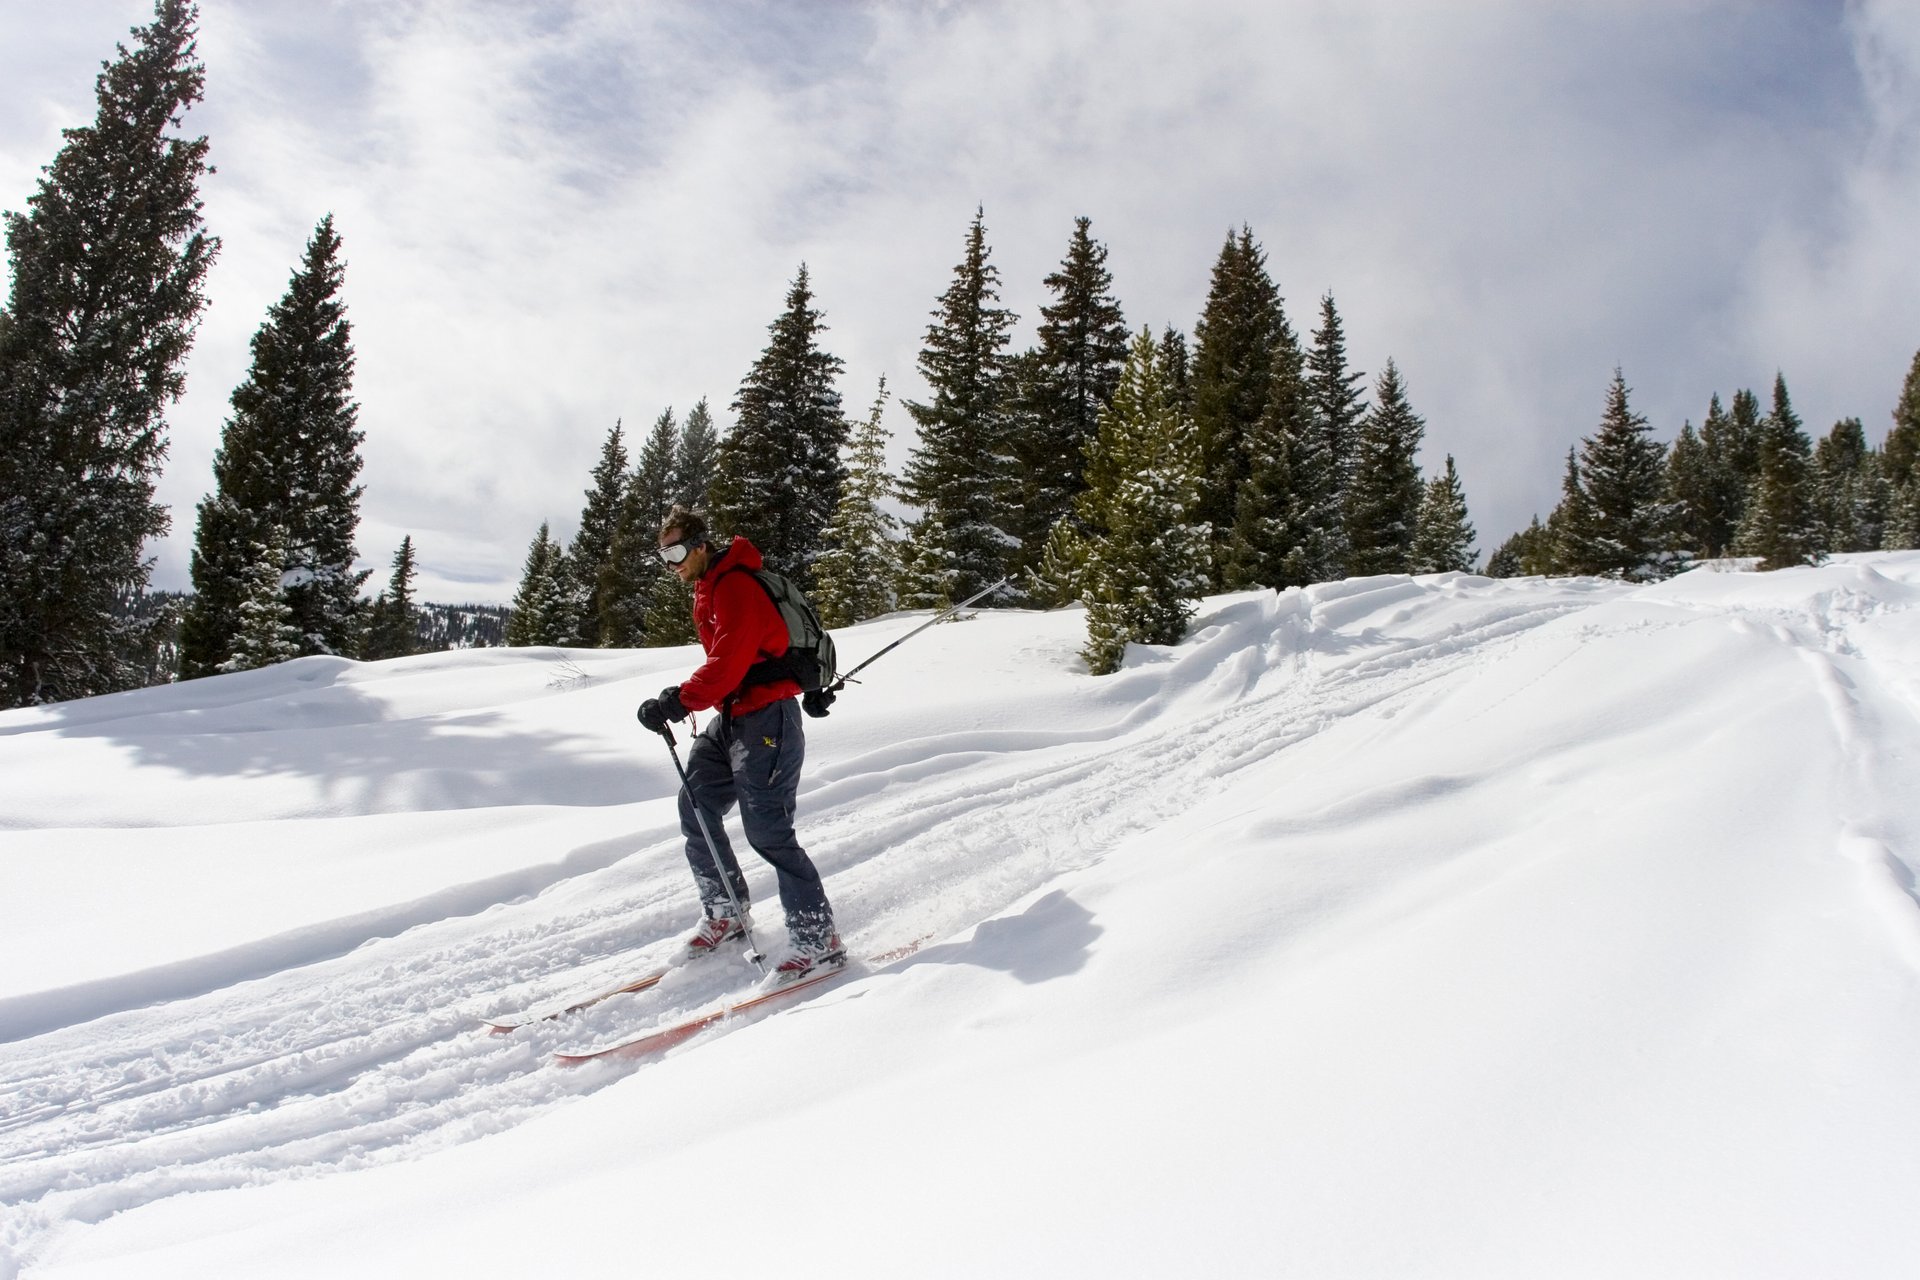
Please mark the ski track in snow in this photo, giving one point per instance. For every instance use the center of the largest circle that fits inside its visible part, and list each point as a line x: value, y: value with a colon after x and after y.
x: 376, y: 1054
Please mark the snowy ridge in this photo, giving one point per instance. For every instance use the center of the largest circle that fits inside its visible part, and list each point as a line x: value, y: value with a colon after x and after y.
x: 1365, y: 915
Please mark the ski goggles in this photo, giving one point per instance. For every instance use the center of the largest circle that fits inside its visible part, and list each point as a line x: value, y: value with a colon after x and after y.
x: 674, y: 552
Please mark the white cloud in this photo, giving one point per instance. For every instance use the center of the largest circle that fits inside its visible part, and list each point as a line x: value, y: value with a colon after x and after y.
x: 559, y: 215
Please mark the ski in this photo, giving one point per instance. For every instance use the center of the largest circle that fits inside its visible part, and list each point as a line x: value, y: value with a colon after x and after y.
x: 565, y: 1005
x: 662, y: 1038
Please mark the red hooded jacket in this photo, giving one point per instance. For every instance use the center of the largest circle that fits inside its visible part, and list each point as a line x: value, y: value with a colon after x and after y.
x: 739, y: 626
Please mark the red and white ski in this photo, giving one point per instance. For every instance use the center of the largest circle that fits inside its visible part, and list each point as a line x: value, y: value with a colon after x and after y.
x: 662, y: 1038
x: 565, y: 1005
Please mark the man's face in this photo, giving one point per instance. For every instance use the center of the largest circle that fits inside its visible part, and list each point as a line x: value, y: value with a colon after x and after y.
x: 693, y: 561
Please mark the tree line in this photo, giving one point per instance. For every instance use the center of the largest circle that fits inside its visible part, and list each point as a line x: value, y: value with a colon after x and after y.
x: 1131, y: 471
x: 1747, y: 483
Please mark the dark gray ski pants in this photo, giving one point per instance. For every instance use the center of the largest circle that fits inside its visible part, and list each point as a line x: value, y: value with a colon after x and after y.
x: 755, y: 760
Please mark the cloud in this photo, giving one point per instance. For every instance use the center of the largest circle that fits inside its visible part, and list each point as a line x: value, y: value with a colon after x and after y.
x: 559, y: 215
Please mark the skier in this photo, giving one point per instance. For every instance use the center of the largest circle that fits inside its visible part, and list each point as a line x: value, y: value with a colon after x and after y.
x: 751, y: 751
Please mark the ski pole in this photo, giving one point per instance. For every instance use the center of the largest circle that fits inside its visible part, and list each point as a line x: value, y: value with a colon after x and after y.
x: 713, y: 853
x: 942, y: 616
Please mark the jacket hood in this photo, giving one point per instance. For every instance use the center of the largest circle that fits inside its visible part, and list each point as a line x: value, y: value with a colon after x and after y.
x: 740, y: 554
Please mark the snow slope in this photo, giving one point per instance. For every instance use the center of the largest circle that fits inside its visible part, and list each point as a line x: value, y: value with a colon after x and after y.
x: 1396, y: 927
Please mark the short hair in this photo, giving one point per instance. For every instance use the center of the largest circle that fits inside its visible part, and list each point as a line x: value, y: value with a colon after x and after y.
x: 691, y: 525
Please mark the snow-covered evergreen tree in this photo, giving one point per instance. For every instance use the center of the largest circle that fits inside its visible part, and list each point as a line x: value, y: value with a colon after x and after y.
x: 1689, y: 492
x: 959, y: 473
x: 1383, y: 498
x: 778, y: 473
x: 1782, y: 522
x: 267, y: 633
x: 1147, y: 563
x: 591, y: 550
x: 1443, y: 537
x: 1627, y: 532
x: 107, y: 268
x: 1176, y: 362
x: 859, y: 572
x: 289, y: 458
x: 626, y: 576
x: 540, y: 613
x: 1850, y: 493
x: 694, y: 459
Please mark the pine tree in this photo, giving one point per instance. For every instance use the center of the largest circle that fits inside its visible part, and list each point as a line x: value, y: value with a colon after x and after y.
x: 1147, y: 563
x: 540, y: 614
x: 959, y: 474
x: 1383, y: 500
x: 1744, y: 431
x: 267, y: 633
x: 1627, y: 530
x: 107, y: 270
x: 1242, y: 325
x: 778, y: 473
x: 1177, y: 363
x: 1850, y: 494
x: 694, y: 459
x: 669, y: 619
x: 1287, y: 529
x: 1336, y: 391
x: 1066, y: 384
x: 1900, y: 467
x: 1782, y: 524
x: 1528, y: 553
x: 1570, y: 526
x: 1688, y: 486
x: 1727, y: 444
x: 1901, y: 453
x: 860, y: 570
x: 626, y: 576
x: 393, y: 627
x: 288, y: 459
x: 1443, y: 538
x: 591, y: 550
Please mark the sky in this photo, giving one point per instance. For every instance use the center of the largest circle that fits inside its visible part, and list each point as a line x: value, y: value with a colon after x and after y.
x: 560, y: 216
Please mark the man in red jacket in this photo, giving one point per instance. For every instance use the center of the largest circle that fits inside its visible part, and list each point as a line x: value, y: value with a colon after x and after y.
x: 750, y: 752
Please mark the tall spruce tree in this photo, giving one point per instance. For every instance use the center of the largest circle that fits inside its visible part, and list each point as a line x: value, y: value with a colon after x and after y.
x: 960, y: 473
x: 591, y: 550
x: 1782, y: 522
x: 1147, y: 561
x: 1065, y: 384
x: 108, y: 266
x: 393, y: 624
x: 694, y: 458
x: 1176, y: 362
x: 1242, y: 325
x: 1443, y: 538
x: 1383, y: 499
x: 1627, y: 532
x: 778, y: 473
x: 1337, y: 391
x: 859, y: 572
x: 1900, y: 466
x: 1287, y: 528
x: 1727, y: 444
x: 1570, y: 524
x: 289, y: 458
x: 1688, y: 492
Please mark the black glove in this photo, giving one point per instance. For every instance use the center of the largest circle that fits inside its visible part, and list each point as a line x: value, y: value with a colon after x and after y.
x: 657, y: 713
x: 816, y: 703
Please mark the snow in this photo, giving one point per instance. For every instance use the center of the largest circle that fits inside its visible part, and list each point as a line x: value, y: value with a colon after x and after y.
x: 1436, y: 926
